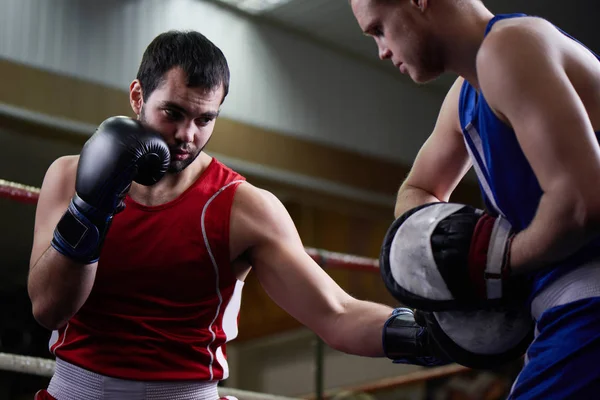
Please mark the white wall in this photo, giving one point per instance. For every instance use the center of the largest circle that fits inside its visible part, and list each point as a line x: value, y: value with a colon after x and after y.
x: 279, y: 81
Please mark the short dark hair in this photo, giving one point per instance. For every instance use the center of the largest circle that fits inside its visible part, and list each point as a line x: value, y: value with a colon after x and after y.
x: 204, y: 63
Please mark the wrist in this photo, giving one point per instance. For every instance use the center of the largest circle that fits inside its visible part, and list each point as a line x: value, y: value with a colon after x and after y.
x: 96, y: 215
x: 407, y: 342
x: 516, y: 262
x: 399, y: 333
x: 80, y: 232
x: 506, y: 270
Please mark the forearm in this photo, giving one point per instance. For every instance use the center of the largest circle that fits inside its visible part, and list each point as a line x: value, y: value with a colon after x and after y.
x: 58, y: 287
x: 558, y: 230
x: 410, y: 197
x: 359, y: 329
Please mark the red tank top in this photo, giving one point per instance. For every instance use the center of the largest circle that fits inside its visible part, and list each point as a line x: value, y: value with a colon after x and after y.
x: 165, y: 300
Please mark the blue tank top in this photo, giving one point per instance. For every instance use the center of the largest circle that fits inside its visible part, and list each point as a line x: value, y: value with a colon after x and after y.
x: 507, y: 182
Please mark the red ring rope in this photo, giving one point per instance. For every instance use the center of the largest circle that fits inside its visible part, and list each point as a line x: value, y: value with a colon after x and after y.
x: 326, y: 259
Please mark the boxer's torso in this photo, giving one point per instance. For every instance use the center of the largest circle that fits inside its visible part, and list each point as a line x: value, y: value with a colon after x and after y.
x: 506, y: 179
x: 165, y: 299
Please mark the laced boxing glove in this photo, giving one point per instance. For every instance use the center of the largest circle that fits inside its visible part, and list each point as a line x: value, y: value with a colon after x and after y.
x: 121, y: 151
x: 406, y: 340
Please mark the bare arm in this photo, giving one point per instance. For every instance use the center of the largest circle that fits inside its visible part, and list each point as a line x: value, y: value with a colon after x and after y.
x: 524, y: 80
x: 441, y: 163
x: 57, y: 286
x: 299, y: 285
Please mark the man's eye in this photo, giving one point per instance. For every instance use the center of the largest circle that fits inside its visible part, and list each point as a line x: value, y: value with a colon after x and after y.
x: 171, y: 114
x: 204, y: 121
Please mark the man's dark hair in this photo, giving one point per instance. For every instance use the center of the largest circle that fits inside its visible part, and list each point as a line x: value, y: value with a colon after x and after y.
x: 203, y: 62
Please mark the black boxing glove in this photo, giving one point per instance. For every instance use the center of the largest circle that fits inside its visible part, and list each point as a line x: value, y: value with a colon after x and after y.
x: 406, y: 340
x: 121, y: 151
x: 481, y: 339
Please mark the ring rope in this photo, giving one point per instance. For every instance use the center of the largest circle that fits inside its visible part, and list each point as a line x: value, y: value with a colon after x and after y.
x: 326, y: 259
x: 19, y: 192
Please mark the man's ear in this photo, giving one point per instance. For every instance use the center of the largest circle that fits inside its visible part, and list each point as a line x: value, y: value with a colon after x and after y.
x: 136, y: 97
x: 420, y: 4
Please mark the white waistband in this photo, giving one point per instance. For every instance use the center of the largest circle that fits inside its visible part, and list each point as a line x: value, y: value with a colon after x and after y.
x: 73, y: 383
x: 581, y: 283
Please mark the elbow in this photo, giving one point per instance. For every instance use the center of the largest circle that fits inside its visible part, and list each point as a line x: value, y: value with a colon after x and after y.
x: 590, y: 216
x: 403, y: 193
x: 411, y: 196
x: 335, y: 340
x: 586, y: 216
x: 575, y: 209
x: 46, y: 316
x: 48, y: 308
x: 591, y: 224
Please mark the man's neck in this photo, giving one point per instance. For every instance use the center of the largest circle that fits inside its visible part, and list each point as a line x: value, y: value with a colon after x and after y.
x: 463, y: 46
x: 172, y: 185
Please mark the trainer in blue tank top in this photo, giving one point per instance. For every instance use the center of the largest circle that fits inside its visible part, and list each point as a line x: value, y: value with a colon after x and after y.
x: 507, y: 182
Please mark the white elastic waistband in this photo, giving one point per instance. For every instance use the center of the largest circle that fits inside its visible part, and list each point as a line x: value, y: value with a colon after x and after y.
x: 581, y: 283
x: 73, y: 383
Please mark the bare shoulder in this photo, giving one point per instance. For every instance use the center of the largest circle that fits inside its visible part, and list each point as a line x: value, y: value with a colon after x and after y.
x: 523, y: 27
x: 65, y: 164
x: 448, y: 118
x: 256, y: 205
x: 63, y: 168
x: 512, y: 37
x: 258, y: 217
x: 518, y: 53
x: 453, y: 96
x: 60, y: 176
x: 456, y: 86
x: 57, y: 190
x: 526, y: 23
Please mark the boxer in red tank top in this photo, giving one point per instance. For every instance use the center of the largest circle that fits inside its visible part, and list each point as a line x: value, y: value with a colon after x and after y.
x: 198, y: 291
x: 140, y: 278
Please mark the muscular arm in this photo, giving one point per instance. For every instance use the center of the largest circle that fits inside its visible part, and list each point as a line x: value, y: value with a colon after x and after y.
x: 521, y: 71
x: 441, y: 163
x: 57, y: 286
x: 299, y: 285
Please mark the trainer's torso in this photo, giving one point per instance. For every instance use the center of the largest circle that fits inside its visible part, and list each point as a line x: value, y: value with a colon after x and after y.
x: 506, y: 179
x: 165, y: 299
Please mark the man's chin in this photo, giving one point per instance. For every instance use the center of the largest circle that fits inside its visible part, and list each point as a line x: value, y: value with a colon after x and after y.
x: 178, y: 166
x: 423, y: 77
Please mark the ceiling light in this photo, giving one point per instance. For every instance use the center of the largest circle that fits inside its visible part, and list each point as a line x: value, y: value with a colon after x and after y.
x: 255, y: 6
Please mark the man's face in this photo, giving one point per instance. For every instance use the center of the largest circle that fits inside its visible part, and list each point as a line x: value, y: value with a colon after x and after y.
x: 403, y: 35
x: 184, y: 116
